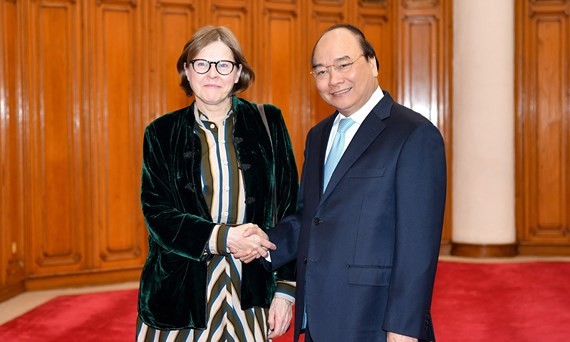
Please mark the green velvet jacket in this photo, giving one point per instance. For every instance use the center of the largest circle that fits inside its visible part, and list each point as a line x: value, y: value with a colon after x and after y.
x: 172, y: 292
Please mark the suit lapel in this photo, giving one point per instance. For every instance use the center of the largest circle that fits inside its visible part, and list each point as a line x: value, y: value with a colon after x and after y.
x: 323, y: 149
x: 372, y: 126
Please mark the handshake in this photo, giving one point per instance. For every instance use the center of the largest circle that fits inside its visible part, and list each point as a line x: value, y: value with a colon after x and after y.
x: 248, y: 242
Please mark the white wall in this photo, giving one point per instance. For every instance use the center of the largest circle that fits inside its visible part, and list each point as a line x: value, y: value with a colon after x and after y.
x: 483, y: 122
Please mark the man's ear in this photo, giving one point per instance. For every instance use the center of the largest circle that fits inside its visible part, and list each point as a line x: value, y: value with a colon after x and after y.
x: 372, y: 63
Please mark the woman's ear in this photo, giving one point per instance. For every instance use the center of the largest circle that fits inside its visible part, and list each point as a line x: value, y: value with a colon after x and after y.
x: 238, y: 74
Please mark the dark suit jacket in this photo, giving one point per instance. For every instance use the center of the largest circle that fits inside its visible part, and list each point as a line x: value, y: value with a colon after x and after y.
x: 367, y: 248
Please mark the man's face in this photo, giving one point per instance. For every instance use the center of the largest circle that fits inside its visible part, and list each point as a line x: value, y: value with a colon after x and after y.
x: 346, y: 90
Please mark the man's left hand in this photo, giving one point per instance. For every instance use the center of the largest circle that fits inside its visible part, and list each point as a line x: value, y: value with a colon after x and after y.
x: 393, y: 337
x: 280, y: 313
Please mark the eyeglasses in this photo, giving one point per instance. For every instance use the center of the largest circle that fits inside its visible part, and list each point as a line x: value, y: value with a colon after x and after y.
x: 223, y: 67
x: 322, y: 72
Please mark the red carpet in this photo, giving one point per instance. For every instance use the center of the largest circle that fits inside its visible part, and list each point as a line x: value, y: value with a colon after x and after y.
x: 472, y: 302
x: 502, y: 302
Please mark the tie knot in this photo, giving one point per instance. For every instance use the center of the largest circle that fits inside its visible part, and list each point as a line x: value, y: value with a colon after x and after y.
x: 344, y: 125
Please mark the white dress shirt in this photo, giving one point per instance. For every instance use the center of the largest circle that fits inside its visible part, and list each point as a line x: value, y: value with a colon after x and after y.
x: 358, y: 118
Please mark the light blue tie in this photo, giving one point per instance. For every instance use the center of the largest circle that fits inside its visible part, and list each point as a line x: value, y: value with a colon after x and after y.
x: 336, y: 150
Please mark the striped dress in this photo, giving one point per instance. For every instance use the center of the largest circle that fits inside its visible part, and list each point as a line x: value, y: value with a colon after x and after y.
x: 223, y: 189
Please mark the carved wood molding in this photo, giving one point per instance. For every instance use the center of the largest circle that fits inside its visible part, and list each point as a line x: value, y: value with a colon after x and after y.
x: 132, y: 3
x: 420, y: 3
x: 163, y: 3
x: 328, y: 2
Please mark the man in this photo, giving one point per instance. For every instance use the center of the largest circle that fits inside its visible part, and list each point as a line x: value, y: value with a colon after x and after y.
x: 366, y: 243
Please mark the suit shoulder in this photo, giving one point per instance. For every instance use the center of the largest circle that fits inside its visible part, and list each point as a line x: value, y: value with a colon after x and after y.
x: 409, y: 117
x: 324, y: 122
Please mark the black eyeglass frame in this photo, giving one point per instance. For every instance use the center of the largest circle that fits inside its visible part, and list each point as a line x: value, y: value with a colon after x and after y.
x: 234, y: 64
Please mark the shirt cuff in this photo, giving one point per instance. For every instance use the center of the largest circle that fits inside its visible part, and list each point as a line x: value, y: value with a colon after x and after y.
x: 218, y: 239
x: 286, y: 290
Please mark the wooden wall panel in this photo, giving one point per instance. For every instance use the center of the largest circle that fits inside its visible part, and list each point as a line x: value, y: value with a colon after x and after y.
x: 173, y: 23
x: 543, y: 127
x: 116, y: 134
x: 280, y: 73
x: 57, y: 190
x: 550, y: 122
x: 418, y: 65
x: 11, y: 153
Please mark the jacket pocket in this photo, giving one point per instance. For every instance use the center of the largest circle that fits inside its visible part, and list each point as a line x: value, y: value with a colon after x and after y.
x: 369, y: 275
x: 366, y: 173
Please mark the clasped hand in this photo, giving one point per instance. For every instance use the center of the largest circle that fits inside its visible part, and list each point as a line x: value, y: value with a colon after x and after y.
x: 248, y: 242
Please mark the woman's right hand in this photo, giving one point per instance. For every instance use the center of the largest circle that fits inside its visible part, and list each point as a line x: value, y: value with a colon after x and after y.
x: 250, y: 246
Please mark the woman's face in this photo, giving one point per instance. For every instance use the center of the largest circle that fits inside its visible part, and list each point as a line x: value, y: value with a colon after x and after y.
x: 213, y: 88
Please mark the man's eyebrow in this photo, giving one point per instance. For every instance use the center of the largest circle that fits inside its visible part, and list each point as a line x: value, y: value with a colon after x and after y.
x: 339, y: 59
x: 342, y: 59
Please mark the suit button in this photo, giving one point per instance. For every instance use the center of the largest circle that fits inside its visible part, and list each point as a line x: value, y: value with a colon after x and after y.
x: 304, y: 260
x: 317, y: 221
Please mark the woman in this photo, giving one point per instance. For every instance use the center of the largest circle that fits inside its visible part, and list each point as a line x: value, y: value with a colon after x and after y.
x: 210, y: 171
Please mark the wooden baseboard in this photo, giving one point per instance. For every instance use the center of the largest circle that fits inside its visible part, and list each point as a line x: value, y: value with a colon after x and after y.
x: 483, y: 251
x: 11, y: 290
x: 58, y: 281
x: 445, y: 248
x: 544, y: 250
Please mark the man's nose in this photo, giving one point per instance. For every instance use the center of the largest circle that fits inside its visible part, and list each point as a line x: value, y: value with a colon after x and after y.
x: 335, y: 77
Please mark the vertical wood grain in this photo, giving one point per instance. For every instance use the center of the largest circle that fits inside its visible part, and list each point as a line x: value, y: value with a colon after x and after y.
x: 115, y: 132
x: 12, y: 225
x: 57, y: 190
x: 542, y: 126
x: 281, y: 65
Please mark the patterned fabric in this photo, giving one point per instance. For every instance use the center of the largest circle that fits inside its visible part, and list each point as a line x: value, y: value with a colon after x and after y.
x: 222, y: 186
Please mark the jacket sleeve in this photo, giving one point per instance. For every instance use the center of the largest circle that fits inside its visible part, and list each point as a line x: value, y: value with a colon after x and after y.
x: 420, y: 202
x: 176, y: 231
